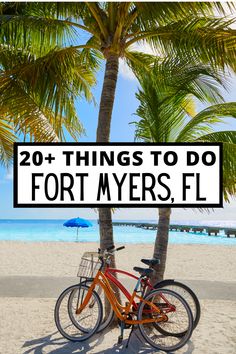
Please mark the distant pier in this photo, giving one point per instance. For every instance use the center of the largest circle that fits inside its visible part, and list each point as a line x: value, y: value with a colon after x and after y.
x: 210, y: 230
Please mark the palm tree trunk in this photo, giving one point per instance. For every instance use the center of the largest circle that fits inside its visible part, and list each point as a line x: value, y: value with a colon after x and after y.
x: 103, y: 136
x: 105, y: 228
x: 107, y: 99
x: 161, y: 243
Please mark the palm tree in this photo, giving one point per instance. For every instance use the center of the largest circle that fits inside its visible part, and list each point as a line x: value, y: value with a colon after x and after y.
x: 167, y: 114
x: 112, y: 28
x: 38, y: 100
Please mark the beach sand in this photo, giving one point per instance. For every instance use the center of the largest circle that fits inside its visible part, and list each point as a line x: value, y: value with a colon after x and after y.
x: 206, y: 262
x: 27, y: 324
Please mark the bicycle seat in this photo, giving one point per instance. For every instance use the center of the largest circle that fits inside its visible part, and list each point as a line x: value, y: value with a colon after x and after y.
x: 151, y: 262
x: 143, y: 271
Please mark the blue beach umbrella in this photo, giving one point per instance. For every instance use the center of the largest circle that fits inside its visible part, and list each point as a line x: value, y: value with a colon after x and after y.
x: 77, y: 222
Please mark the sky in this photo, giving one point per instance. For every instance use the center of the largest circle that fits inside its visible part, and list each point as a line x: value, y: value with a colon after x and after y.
x: 121, y: 131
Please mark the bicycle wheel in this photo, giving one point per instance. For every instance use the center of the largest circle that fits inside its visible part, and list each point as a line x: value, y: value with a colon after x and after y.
x: 88, y: 321
x: 186, y: 293
x: 179, y: 320
x: 108, y: 315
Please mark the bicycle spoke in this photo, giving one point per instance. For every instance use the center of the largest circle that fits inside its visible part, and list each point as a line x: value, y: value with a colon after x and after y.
x: 173, y: 333
x: 73, y: 326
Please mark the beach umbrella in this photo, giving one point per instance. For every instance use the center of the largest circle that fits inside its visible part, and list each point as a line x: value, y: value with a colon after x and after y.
x: 77, y: 222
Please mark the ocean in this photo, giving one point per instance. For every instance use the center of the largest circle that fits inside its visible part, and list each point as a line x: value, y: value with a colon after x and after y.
x: 53, y: 230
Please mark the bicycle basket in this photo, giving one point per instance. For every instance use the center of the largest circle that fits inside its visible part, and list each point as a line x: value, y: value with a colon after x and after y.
x: 89, y: 265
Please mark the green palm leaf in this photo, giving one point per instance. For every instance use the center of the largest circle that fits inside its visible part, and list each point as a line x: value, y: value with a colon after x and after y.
x: 7, y: 138
x: 50, y: 82
x: 39, y: 34
x: 165, y: 96
x: 204, y: 121
x: 228, y: 138
x: 208, y: 39
x: 162, y: 11
x: 139, y: 61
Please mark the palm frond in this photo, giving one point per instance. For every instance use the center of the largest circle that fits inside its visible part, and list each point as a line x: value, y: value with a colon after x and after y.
x: 27, y: 118
x: 210, y: 40
x: 60, y: 124
x: 139, y: 61
x: 34, y: 33
x: 55, y: 79
x: 161, y: 12
x: 7, y: 138
x: 23, y: 112
x: 167, y: 93
x: 228, y: 138
x: 175, y: 76
x: 225, y: 136
x: 164, y: 99
x: 204, y: 121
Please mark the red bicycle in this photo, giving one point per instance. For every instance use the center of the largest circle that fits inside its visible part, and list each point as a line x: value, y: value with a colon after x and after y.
x: 86, y: 274
x: 162, y: 316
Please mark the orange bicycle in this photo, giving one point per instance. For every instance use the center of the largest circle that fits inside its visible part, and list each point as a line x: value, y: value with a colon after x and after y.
x: 151, y: 313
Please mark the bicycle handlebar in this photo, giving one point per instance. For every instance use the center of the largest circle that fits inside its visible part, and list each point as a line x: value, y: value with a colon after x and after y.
x: 120, y: 248
x: 111, y: 249
x: 104, y: 256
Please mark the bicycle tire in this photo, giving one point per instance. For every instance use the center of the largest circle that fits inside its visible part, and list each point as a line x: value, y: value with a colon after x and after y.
x: 182, y: 340
x: 174, y: 285
x: 77, y: 337
x: 106, y: 321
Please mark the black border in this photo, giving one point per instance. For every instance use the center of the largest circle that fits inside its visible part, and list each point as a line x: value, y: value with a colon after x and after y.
x: 15, y: 177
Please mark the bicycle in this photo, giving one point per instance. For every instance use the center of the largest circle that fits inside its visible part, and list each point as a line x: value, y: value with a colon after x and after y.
x: 86, y: 275
x: 155, y: 310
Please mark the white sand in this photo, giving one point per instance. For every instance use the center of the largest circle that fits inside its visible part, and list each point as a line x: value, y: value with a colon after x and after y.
x: 28, y: 327
x: 27, y: 324
x: 203, y: 262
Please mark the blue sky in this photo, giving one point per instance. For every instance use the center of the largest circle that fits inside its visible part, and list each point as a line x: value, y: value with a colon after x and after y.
x: 121, y: 131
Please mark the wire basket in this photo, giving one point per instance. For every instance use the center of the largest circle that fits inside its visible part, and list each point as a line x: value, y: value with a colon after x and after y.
x: 89, y: 265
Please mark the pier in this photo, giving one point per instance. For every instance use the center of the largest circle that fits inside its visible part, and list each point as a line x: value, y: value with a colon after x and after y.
x: 210, y: 230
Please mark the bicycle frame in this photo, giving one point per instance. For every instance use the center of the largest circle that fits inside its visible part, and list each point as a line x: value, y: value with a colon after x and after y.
x: 121, y: 311
x: 109, y: 275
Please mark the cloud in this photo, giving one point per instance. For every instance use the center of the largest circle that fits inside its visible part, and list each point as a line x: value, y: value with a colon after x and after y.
x: 125, y: 71
x: 6, y: 175
x: 9, y: 174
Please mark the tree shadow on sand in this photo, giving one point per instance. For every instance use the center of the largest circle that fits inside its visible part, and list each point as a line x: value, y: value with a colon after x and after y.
x: 55, y: 344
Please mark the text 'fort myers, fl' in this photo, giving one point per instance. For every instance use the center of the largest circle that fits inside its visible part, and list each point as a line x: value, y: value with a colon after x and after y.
x: 129, y: 175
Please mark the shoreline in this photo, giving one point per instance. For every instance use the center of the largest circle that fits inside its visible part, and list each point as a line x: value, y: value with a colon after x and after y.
x: 215, y: 241
x: 116, y: 243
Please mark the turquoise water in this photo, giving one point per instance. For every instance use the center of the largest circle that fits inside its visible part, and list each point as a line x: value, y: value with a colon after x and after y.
x: 53, y: 230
